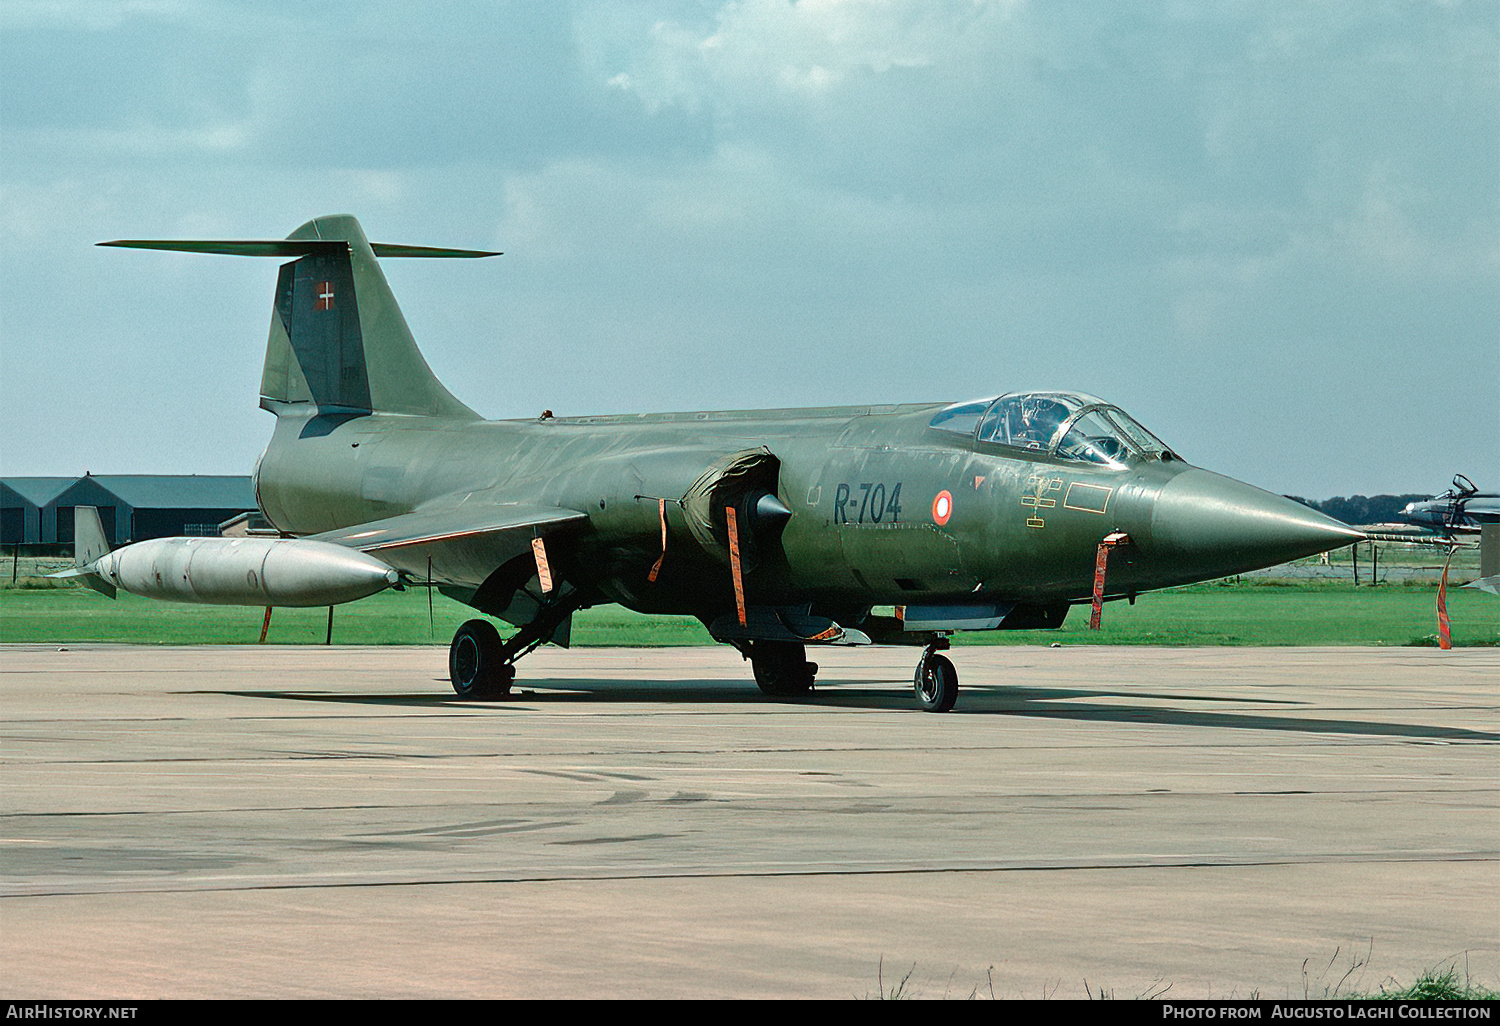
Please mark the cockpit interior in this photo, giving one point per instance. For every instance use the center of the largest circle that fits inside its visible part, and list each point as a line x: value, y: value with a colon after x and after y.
x: 1064, y: 425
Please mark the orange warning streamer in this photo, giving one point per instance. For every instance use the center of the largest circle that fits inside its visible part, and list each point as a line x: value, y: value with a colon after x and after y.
x: 1101, y: 561
x: 543, y: 570
x: 661, y: 511
x: 1445, y: 635
x: 734, y: 564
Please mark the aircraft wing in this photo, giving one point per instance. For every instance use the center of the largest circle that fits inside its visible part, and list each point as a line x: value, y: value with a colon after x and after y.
x: 460, y: 545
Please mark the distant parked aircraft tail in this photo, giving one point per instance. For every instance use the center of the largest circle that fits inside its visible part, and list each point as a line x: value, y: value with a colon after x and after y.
x: 89, y: 544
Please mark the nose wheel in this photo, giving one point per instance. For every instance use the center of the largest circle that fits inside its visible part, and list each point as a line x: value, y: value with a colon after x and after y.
x: 936, y: 681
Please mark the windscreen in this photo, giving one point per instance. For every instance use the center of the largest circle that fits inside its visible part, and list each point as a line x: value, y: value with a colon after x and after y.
x: 960, y: 418
x: 1065, y: 425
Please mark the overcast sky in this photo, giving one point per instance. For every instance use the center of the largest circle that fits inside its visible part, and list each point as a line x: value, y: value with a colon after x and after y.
x: 1271, y: 231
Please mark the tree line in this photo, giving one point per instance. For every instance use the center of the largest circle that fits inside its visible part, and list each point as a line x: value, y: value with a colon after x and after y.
x: 1362, y: 509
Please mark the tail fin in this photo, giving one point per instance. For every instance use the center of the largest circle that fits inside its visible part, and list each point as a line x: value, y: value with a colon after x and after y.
x: 338, y: 341
x: 89, y: 544
x: 89, y: 541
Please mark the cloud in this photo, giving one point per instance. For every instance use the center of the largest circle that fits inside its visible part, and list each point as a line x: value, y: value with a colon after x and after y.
x: 864, y: 200
x: 768, y: 52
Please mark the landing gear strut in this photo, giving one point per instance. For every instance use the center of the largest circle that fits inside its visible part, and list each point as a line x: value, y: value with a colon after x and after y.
x: 781, y: 668
x: 936, y: 681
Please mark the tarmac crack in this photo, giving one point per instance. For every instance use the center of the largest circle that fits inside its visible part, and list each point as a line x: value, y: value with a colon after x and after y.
x: 765, y: 872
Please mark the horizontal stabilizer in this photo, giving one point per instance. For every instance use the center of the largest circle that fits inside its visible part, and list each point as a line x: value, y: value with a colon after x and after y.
x: 391, y: 249
x: 288, y: 247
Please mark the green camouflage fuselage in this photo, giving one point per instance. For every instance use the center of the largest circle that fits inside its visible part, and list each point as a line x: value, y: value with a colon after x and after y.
x: 860, y: 481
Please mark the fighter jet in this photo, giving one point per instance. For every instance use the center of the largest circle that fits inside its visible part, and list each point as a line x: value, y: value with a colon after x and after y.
x: 1462, y: 509
x: 778, y: 529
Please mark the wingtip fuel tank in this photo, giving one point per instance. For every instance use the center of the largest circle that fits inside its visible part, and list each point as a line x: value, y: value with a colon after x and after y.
x: 243, y: 571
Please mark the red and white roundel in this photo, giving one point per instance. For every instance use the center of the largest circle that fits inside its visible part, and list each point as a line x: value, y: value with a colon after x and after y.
x: 942, y: 507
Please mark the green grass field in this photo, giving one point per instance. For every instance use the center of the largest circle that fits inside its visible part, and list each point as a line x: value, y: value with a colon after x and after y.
x: 1307, y: 613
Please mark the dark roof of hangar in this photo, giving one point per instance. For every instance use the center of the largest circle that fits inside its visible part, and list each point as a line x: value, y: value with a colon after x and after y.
x: 138, y: 491
x: 176, y: 491
x: 38, y: 491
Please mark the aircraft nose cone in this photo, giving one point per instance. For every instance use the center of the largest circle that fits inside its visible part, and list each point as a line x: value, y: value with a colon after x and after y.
x: 1217, y: 526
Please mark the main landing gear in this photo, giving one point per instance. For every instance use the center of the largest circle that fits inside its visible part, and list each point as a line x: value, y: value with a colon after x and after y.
x: 481, y: 665
x: 936, y: 681
x: 476, y: 665
x: 781, y: 668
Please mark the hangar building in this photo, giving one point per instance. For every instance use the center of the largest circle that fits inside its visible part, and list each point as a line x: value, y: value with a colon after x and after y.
x: 132, y: 507
x: 22, y: 501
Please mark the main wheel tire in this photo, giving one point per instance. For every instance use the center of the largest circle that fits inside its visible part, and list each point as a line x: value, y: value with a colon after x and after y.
x: 781, y: 668
x: 936, y: 683
x: 474, y: 664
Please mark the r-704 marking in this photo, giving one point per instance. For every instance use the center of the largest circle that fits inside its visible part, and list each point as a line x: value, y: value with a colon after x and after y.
x: 876, y: 503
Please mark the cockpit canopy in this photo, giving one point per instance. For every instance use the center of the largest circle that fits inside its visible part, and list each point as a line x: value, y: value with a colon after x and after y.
x: 1067, y: 425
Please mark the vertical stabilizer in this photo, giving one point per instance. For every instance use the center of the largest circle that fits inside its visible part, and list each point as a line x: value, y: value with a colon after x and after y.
x: 89, y: 544
x: 338, y: 340
x: 89, y: 541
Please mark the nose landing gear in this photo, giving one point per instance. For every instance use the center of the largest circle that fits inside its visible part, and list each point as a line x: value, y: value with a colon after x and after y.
x: 936, y: 681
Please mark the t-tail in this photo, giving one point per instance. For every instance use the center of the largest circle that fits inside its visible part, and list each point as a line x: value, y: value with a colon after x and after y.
x: 339, y: 344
